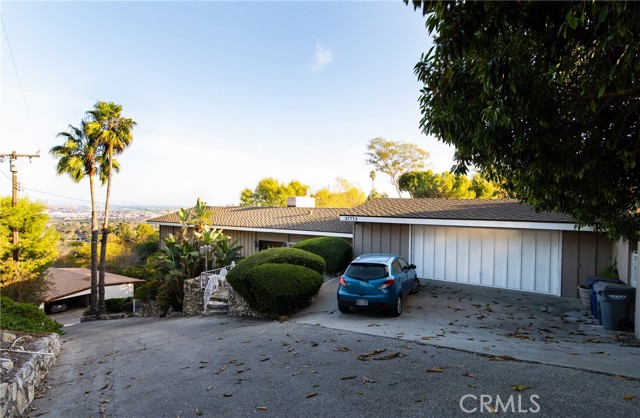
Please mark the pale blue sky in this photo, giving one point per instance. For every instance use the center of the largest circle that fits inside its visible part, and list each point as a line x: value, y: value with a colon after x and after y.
x: 224, y: 93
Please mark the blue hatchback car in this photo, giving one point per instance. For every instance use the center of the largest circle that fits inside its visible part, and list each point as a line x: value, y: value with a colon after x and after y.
x: 377, y: 281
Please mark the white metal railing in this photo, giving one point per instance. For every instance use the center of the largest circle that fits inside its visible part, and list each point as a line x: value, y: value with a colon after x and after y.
x: 214, y: 280
x: 633, y: 280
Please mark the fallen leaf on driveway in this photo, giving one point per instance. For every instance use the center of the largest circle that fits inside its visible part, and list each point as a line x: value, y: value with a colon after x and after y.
x: 629, y: 397
x: 227, y: 395
x: 520, y: 388
x: 261, y: 408
x: 311, y: 395
x: 468, y: 374
x: 435, y: 370
x: 367, y: 356
x: 347, y: 377
x: 343, y: 348
x: 617, y: 376
x: 365, y: 379
x: 501, y: 358
x: 390, y: 356
x: 426, y: 338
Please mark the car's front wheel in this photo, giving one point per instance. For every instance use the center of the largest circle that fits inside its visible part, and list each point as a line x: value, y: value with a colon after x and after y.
x: 415, y: 286
x: 397, y: 309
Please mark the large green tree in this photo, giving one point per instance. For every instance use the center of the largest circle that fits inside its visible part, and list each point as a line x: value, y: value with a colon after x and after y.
x: 429, y: 184
x: 270, y: 192
x: 78, y: 157
x: 394, y: 158
x: 545, y: 95
x: 24, y: 280
x: 343, y: 194
x: 113, y: 132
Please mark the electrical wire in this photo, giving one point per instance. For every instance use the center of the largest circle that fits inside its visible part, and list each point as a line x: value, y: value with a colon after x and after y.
x: 15, y: 68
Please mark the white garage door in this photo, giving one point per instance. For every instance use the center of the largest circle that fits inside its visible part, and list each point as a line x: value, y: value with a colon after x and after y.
x: 508, y: 258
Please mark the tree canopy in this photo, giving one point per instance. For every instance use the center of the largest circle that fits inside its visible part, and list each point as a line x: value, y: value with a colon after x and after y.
x: 394, y: 158
x: 270, y: 192
x: 342, y: 195
x: 23, y: 280
x: 458, y: 186
x: 545, y: 95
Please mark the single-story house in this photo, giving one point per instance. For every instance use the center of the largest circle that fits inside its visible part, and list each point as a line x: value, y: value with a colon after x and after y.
x: 498, y: 243
x: 259, y: 228
x: 73, y: 286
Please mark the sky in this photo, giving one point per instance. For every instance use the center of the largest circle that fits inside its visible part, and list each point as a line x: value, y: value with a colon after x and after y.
x: 223, y: 93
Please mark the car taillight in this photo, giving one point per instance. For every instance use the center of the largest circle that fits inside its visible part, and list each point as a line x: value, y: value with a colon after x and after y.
x: 343, y: 282
x: 387, y: 283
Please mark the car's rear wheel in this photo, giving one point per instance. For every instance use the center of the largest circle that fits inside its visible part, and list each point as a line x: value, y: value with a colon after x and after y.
x: 397, y: 308
x: 415, y: 286
x: 343, y: 308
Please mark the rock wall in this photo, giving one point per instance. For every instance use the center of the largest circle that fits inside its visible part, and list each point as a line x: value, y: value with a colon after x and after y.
x: 17, y: 394
x: 238, y: 306
x: 193, y: 302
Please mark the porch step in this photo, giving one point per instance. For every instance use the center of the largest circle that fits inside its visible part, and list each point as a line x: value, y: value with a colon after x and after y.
x: 216, y: 307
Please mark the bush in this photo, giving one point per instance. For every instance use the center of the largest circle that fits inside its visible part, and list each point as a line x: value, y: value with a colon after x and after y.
x: 170, y: 296
x: 25, y: 317
x: 117, y: 305
x: 238, y: 276
x: 336, y: 252
x: 147, y: 291
x: 279, y: 289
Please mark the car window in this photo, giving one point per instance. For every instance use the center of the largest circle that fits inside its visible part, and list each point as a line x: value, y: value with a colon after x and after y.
x: 395, y: 266
x: 365, y: 271
x: 403, y: 263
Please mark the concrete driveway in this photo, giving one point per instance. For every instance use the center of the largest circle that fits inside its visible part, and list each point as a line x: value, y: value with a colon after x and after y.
x: 492, y: 322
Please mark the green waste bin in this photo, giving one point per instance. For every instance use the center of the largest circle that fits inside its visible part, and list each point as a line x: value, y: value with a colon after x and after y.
x: 614, y: 304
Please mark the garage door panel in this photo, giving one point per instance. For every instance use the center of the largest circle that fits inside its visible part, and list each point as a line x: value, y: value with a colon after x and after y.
x: 507, y: 258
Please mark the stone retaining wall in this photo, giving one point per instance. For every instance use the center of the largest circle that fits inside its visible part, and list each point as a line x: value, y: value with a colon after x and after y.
x: 193, y: 302
x: 17, y: 394
x: 238, y: 306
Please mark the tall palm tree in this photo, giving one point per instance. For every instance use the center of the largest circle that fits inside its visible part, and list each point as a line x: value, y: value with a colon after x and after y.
x: 78, y: 158
x: 113, y: 133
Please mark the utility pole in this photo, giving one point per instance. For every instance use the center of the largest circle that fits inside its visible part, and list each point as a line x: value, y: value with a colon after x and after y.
x: 14, y: 194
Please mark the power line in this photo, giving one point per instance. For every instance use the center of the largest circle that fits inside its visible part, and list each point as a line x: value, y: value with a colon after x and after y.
x: 15, y: 68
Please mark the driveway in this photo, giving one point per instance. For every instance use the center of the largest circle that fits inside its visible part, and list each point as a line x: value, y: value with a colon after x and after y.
x: 493, y: 322
x: 233, y: 367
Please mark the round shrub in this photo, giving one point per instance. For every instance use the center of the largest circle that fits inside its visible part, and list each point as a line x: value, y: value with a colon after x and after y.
x: 279, y: 289
x: 25, y: 317
x: 238, y: 276
x: 336, y: 252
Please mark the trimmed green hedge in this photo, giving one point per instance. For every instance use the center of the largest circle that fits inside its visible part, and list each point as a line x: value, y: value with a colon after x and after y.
x: 336, y: 252
x: 280, y: 289
x: 147, y: 291
x: 238, y: 276
x: 25, y: 317
x: 117, y: 305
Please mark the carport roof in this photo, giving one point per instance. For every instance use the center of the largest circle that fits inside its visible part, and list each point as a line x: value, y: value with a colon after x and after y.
x: 298, y: 219
x: 452, y: 212
x: 67, y: 281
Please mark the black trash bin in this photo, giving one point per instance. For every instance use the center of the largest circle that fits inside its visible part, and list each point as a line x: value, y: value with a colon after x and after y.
x: 594, y: 299
x: 614, y: 304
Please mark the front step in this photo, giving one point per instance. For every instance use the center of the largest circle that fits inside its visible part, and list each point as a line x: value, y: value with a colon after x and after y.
x: 216, y: 307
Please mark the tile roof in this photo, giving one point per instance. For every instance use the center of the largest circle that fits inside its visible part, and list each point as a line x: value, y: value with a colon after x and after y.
x: 507, y: 210
x: 67, y: 281
x: 282, y: 218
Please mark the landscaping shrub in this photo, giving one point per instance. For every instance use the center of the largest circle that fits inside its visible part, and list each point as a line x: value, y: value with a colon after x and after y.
x: 336, y: 252
x: 238, y: 276
x: 279, y: 289
x: 117, y: 305
x: 25, y: 317
x: 147, y: 291
x: 170, y: 295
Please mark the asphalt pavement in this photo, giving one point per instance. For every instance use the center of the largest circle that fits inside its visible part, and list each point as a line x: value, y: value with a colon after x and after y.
x: 235, y: 367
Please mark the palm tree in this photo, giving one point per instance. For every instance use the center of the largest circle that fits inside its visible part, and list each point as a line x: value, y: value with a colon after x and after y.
x: 77, y: 157
x: 113, y: 133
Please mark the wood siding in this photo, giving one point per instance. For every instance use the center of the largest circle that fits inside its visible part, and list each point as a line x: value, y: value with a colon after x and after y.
x: 583, y: 255
x: 382, y: 238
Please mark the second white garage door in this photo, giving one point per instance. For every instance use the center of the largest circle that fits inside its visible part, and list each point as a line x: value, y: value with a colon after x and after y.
x: 508, y: 258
